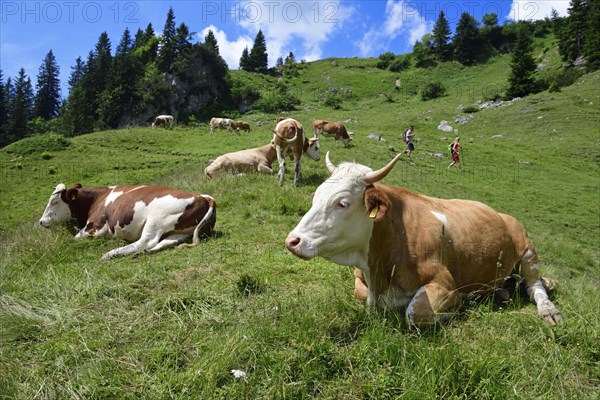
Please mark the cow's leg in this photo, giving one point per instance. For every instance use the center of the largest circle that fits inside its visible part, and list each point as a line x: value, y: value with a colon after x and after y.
x: 535, y: 288
x: 212, y: 129
x: 297, y: 169
x: 361, y: 291
x: 169, y: 241
x: 431, y: 304
x: 281, y: 160
x: 148, y: 240
x: 264, y: 169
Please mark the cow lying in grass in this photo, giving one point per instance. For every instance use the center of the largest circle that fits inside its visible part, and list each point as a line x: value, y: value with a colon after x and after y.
x: 414, y: 252
x: 251, y: 160
x: 152, y: 217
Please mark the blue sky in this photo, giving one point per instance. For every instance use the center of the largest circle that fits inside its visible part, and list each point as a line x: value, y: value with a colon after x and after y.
x: 311, y: 29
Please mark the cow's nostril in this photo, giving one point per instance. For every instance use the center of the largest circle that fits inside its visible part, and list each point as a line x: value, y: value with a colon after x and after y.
x: 292, y: 242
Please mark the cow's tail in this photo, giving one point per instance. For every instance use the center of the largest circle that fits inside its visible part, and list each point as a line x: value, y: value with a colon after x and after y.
x: 208, y: 217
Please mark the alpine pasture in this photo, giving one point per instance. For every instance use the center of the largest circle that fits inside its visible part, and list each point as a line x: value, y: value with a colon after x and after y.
x: 175, y: 324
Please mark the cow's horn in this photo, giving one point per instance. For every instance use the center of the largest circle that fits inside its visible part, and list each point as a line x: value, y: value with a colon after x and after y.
x: 330, y: 166
x: 376, y: 176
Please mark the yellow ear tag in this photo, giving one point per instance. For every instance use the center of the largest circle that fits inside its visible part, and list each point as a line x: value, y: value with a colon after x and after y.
x: 73, y: 197
x: 374, y: 212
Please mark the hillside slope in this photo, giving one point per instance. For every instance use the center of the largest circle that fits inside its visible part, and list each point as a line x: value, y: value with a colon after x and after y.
x: 176, y: 323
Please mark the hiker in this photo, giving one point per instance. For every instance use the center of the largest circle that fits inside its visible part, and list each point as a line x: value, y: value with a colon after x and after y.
x: 455, y: 148
x: 408, y: 137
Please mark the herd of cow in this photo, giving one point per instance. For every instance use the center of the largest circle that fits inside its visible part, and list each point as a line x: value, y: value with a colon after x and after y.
x: 410, y: 252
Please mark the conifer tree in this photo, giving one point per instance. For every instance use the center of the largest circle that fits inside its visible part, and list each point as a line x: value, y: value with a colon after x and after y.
x: 441, y: 36
x: 258, y: 54
x: 466, y: 41
x: 591, y: 48
x: 21, y: 106
x: 47, y: 98
x: 572, y: 33
x: 77, y: 72
x: 210, y: 42
x: 168, y: 50
x: 522, y: 66
x: 3, y: 112
x: 245, y: 63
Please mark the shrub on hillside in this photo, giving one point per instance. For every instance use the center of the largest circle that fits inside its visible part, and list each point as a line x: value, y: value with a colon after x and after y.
x: 38, y: 144
x: 433, y: 90
x: 334, y: 101
x: 470, y: 109
x: 400, y: 63
x: 553, y: 88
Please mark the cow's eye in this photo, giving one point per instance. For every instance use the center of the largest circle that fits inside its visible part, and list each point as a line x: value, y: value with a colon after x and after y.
x: 341, y: 205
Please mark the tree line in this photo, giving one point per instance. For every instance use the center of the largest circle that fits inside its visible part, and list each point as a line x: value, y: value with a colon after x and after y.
x: 150, y: 74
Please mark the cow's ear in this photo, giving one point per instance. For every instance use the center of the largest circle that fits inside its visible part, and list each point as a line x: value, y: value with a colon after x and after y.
x: 376, y: 203
x: 77, y: 186
x: 71, y: 194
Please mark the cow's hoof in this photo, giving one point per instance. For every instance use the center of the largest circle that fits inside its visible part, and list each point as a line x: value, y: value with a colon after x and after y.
x: 549, y: 312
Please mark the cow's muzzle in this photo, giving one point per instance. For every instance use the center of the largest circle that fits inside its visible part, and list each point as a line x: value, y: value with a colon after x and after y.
x: 293, y: 245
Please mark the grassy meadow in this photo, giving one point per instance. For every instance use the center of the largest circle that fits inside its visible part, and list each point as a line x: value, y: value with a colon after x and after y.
x: 173, y: 325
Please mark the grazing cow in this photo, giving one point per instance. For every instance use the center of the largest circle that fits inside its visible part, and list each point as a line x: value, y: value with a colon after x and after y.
x: 412, y: 251
x: 251, y: 160
x: 289, y: 139
x: 221, y: 123
x: 240, y: 126
x: 163, y: 120
x: 152, y: 217
x: 330, y: 129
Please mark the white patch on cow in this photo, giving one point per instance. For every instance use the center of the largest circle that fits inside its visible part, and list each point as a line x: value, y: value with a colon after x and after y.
x: 441, y: 217
x: 112, y: 196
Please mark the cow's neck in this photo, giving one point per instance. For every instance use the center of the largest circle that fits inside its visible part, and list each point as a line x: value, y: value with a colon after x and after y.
x: 86, y: 197
x: 388, y: 256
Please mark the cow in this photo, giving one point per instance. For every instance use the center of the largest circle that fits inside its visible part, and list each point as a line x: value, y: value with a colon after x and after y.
x: 251, y: 160
x: 221, y: 123
x: 163, y: 120
x: 152, y: 217
x: 289, y: 139
x: 413, y: 252
x: 336, y: 129
x: 239, y: 125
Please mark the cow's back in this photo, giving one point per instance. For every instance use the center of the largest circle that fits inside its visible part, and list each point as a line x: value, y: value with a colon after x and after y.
x: 467, y: 239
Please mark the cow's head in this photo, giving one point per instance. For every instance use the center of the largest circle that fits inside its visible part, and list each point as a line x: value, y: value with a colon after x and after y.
x: 312, y: 148
x: 339, y: 224
x: 57, y: 210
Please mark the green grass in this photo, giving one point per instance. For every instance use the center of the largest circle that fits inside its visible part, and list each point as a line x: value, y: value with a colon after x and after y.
x: 174, y: 324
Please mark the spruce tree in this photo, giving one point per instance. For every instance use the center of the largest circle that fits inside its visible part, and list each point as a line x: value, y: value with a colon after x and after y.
x: 47, y: 98
x: 258, y: 54
x: 522, y: 66
x: 441, y: 36
x: 3, y: 112
x: 572, y: 33
x: 245, y: 63
x: 591, y: 49
x: 466, y: 41
x: 77, y: 72
x: 168, y: 50
x: 21, y: 106
x: 210, y: 42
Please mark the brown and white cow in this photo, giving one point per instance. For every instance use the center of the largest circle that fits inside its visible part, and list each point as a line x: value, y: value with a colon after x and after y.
x: 289, y: 139
x: 163, y: 120
x: 240, y: 125
x: 414, y: 252
x: 336, y: 129
x: 152, y: 217
x: 221, y: 123
x: 251, y: 160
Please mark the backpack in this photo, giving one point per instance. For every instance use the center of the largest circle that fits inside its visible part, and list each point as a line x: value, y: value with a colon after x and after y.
x: 451, y: 147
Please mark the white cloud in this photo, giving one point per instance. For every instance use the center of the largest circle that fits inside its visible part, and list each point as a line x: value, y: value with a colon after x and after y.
x: 521, y: 10
x: 289, y: 25
x: 231, y: 51
x: 401, y: 19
